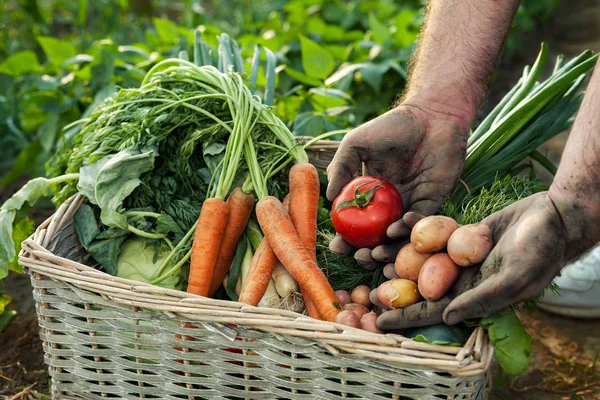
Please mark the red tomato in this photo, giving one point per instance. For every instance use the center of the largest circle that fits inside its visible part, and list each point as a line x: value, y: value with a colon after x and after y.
x: 364, y: 209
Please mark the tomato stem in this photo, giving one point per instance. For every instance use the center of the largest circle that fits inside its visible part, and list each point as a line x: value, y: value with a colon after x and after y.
x: 361, y: 199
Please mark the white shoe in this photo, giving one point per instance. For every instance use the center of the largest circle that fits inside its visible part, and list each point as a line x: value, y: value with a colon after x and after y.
x: 579, y: 284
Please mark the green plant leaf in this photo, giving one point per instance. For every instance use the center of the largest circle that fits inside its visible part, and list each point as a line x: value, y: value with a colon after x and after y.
x: 302, y: 78
x: 325, y: 98
x: 23, y: 163
x: 6, y: 317
x: 86, y: 225
x: 512, y: 342
x: 381, y: 33
x: 58, y: 51
x: 30, y: 193
x: 111, y: 179
x: 342, y: 72
x: 20, y: 63
x: 4, y: 300
x: 106, y: 252
x: 316, y: 61
x: 166, y: 30
x: 405, y: 35
x: 21, y: 231
x: 47, y: 132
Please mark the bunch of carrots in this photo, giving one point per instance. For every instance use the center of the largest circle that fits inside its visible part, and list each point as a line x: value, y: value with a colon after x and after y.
x: 290, y: 233
x: 290, y: 230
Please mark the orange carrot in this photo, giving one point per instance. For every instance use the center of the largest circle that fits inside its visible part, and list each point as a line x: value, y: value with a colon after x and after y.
x: 259, y: 274
x: 207, y: 241
x: 262, y: 266
x: 285, y: 242
x: 304, y: 204
x: 240, y: 209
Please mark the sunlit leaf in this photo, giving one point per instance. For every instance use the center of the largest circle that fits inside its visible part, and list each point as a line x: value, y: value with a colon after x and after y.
x: 316, y: 61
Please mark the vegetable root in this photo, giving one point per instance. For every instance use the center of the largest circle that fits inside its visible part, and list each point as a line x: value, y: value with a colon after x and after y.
x: 470, y: 244
x: 409, y: 262
x: 398, y: 293
x: 437, y: 276
x: 207, y: 242
x: 348, y: 318
x: 285, y: 242
x: 261, y: 268
x: 303, y: 207
x: 240, y: 209
x: 431, y: 234
x: 360, y: 295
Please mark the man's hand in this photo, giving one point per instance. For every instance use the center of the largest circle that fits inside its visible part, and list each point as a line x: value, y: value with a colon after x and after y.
x: 419, y: 150
x: 529, y: 250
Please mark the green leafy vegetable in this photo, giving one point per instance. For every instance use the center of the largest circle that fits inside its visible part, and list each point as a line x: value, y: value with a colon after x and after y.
x: 513, y: 344
x: 140, y: 261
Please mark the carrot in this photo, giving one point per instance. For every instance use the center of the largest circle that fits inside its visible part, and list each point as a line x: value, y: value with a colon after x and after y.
x: 207, y: 241
x: 240, y: 209
x: 261, y: 268
x: 285, y: 242
x: 304, y: 204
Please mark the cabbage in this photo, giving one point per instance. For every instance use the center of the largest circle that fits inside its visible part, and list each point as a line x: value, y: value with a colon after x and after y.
x: 140, y: 261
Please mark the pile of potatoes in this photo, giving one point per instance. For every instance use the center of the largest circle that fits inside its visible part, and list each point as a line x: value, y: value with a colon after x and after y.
x: 358, y: 310
x: 427, y: 267
x: 430, y: 264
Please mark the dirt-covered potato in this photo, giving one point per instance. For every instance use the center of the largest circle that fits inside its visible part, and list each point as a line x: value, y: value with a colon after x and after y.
x: 360, y: 295
x: 437, y: 276
x: 470, y: 244
x: 343, y: 296
x: 348, y: 318
x: 409, y: 262
x: 358, y: 309
x: 431, y: 234
x: 369, y: 323
x: 398, y: 293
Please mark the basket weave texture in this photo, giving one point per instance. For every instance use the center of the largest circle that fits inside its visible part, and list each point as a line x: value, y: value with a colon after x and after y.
x: 107, y: 337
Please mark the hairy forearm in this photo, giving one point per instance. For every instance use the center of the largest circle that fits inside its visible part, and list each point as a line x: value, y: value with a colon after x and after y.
x: 457, y: 51
x: 576, y: 185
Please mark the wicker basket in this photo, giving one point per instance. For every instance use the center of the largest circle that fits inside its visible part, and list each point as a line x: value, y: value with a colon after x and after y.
x: 107, y: 337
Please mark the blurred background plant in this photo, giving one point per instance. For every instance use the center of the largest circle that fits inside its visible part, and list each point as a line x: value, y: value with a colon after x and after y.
x: 340, y: 62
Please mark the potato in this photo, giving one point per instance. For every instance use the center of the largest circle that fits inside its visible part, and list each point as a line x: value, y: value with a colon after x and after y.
x: 360, y: 295
x: 375, y: 300
x: 358, y: 309
x: 348, y: 318
x: 470, y: 244
x: 398, y: 293
x: 389, y: 271
x: 409, y: 262
x: 437, y: 276
x: 431, y: 234
x: 343, y: 296
x: 369, y: 323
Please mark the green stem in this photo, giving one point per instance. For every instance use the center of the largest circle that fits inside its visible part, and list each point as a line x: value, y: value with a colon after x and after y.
x: 181, y: 243
x: 172, y: 270
x: 63, y: 178
x: 325, y: 136
x: 145, y: 234
x: 543, y: 161
x: 142, y: 214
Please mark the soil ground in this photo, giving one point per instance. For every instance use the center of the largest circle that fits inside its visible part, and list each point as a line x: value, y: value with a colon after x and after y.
x: 565, y: 350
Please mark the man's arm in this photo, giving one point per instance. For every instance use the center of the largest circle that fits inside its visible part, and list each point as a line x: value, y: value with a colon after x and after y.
x: 576, y: 187
x: 457, y: 51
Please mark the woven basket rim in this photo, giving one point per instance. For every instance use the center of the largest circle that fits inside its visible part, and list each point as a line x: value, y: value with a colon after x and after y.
x: 474, y: 358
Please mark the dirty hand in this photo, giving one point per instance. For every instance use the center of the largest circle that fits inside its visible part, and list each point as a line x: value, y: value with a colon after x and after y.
x: 419, y: 150
x: 530, y: 248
